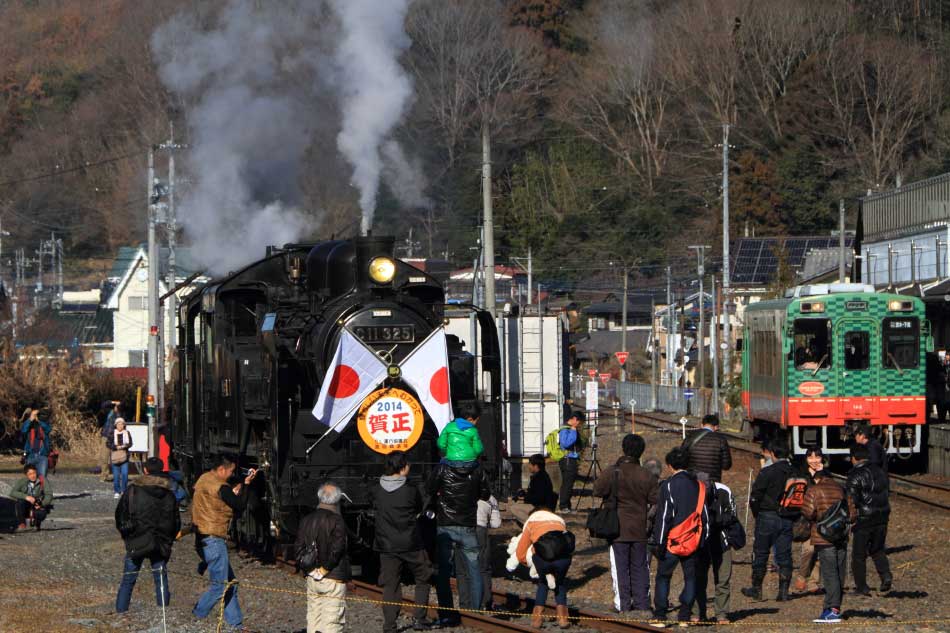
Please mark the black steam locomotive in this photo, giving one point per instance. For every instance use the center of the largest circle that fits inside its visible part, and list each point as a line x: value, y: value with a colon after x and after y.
x: 254, y: 349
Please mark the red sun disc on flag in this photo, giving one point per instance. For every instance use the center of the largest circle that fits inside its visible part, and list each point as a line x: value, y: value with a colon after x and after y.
x: 345, y: 382
x: 439, y: 385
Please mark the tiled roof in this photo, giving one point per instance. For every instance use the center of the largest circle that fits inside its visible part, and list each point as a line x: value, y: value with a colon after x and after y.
x: 62, y: 330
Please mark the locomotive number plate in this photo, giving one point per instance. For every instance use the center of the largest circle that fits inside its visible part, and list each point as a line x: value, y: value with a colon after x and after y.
x: 386, y: 333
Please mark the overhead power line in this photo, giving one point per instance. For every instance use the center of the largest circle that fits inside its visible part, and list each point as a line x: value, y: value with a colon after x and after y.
x: 69, y: 170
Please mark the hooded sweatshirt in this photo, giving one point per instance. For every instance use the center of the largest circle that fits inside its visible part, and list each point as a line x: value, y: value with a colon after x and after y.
x: 397, y: 506
x: 460, y: 441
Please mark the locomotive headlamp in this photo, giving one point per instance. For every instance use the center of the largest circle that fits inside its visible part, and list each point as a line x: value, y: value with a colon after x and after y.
x: 896, y: 305
x: 813, y: 307
x: 382, y: 270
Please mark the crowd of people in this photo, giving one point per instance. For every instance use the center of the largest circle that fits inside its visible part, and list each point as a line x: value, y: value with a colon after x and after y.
x: 684, y: 517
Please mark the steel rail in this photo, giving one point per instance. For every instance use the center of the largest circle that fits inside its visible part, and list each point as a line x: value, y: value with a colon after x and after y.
x: 511, y: 604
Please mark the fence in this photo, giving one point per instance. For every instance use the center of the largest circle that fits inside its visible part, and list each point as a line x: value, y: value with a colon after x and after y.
x: 669, y: 399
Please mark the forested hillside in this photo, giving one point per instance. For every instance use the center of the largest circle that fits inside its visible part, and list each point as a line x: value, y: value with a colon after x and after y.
x: 605, y: 116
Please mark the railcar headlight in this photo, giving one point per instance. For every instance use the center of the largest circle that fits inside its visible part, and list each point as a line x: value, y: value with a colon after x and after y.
x: 813, y: 307
x: 896, y: 305
x: 382, y: 270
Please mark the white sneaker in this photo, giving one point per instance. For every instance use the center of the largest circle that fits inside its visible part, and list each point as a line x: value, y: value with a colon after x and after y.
x: 551, y: 583
x: 117, y: 496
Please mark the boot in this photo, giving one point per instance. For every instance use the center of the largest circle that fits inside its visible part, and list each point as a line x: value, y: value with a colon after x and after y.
x: 562, y: 620
x: 755, y: 591
x: 784, y: 580
x: 536, y: 617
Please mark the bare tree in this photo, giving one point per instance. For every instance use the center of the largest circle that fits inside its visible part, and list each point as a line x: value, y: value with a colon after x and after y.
x: 774, y: 39
x: 704, y: 60
x: 621, y: 97
x: 877, y: 94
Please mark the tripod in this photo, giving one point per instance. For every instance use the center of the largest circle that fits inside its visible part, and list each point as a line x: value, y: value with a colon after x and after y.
x: 593, y: 471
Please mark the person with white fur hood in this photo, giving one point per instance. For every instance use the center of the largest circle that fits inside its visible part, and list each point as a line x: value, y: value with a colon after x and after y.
x: 539, y: 523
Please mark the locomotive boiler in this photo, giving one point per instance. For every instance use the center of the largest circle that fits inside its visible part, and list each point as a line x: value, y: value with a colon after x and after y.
x: 255, y: 348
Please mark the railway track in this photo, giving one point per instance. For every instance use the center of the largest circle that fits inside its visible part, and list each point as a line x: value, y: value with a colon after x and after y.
x: 742, y: 444
x: 508, y: 605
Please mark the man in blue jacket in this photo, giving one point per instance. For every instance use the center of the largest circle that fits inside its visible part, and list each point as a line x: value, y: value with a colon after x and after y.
x: 676, y: 500
x: 36, y: 442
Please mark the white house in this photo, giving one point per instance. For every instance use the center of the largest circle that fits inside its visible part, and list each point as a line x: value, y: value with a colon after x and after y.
x: 128, y: 300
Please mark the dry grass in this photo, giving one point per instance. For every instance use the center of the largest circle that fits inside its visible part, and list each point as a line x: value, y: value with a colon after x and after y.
x: 68, y: 393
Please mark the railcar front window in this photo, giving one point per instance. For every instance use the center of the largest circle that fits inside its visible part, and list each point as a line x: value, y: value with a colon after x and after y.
x: 900, y: 342
x: 811, y: 344
x: 857, y: 350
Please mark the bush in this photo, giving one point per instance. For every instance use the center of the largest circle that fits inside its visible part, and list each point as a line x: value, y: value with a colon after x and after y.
x: 67, y: 391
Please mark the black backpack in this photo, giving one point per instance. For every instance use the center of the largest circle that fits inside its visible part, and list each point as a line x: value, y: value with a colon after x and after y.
x: 835, y: 524
x: 554, y: 545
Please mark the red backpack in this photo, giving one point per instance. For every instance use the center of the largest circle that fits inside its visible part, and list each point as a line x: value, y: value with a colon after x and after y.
x: 794, y: 496
x: 684, y: 539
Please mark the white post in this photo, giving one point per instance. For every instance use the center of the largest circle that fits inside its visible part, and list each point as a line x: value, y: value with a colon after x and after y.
x: 488, y: 245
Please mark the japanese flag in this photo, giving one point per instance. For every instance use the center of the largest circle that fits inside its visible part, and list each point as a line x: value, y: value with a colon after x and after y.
x: 426, y: 370
x: 354, y: 373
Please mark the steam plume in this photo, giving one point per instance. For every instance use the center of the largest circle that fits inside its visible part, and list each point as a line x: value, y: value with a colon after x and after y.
x: 249, y: 126
x: 375, y: 89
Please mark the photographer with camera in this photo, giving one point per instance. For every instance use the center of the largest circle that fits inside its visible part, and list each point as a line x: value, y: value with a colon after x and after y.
x: 212, y: 508
x: 147, y: 518
x: 32, y: 497
x: 36, y: 444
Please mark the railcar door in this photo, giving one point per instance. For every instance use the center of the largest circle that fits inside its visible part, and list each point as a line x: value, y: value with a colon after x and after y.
x: 856, y: 348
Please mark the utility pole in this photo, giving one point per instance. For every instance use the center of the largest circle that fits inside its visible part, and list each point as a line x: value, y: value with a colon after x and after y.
x: 623, y: 324
x: 153, y: 274
x: 701, y: 271
x: 171, y: 232
x: 726, y: 356
x: 713, y: 353
x: 841, y: 241
x: 654, y: 354
x: 669, y: 330
x: 488, y: 243
x: 528, y: 269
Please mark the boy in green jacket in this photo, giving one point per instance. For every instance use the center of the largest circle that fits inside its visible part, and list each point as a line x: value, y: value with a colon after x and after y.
x: 459, y: 441
x: 32, y: 495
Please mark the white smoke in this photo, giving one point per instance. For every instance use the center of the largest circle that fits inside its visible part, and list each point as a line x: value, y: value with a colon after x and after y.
x: 248, y: 125
x: 375, y: 89
x: 405, y: 176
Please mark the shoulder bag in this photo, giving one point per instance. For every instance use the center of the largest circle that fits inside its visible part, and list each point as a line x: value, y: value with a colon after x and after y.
x: 604, y: 522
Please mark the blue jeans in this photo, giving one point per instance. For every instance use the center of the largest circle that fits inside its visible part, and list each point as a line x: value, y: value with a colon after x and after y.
x: 772, y: 530
x: 215, y: 552
x: 130, y: 574
x: 447, y: 538
x: 40, y: 461
x: 665, y: 567
x: 120, y: 477
x: 557, y: 567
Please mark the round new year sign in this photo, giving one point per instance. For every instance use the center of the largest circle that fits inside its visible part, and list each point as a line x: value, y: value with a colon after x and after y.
x: 390, y: 420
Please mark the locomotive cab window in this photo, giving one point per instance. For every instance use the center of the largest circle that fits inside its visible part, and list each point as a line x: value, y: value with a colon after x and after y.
x: 811, y: 349
x: 900, y: 344
x: 857, y: 350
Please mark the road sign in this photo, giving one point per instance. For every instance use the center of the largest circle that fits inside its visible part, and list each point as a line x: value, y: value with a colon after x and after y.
x: 604, y: 378
x: 592, y: 373
x: 687, y: 393
x: 592, y: 403
x: 621, y: 357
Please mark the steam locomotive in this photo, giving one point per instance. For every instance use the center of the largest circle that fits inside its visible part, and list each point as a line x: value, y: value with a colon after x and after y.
x: 255, y: 348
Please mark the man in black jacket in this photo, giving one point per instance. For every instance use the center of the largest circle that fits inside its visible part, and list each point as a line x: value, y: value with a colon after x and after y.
x: 540, y: 493
x: 876, y: 453
x: 708, y: 449
x: 398, y: 506
x: 677, y: 499
x: 870, y: 508
x: 455, y: 491
x: 148, y: 520
x: 326, y: 583
x: 773, y: 525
